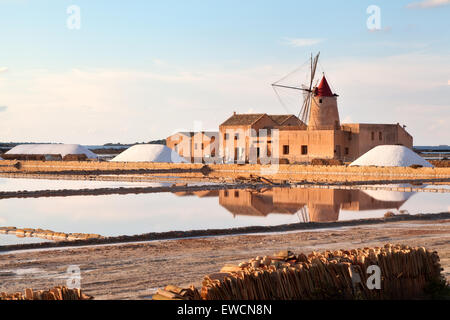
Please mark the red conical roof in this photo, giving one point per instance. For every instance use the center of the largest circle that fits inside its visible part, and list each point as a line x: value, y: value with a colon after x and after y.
x: 323, y: 90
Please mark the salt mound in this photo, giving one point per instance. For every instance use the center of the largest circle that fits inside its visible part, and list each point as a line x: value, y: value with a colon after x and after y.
x: 149, y: 153
x: 390, y: 156
x: 55, y: 148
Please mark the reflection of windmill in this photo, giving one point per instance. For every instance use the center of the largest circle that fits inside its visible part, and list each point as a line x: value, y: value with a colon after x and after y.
x: 307, y: 89
x: 303, y: 215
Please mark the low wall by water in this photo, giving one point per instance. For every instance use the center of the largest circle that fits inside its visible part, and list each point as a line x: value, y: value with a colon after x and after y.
x: 280, y: 172
x: 48, y: 234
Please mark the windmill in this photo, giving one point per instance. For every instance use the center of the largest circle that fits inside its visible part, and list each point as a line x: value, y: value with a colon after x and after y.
x: 307, y: 89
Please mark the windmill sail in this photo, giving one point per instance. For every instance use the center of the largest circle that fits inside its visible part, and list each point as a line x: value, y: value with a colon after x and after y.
x: 306, y: 88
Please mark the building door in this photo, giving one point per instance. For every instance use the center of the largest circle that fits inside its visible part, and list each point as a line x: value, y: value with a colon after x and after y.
x: 338, y: 152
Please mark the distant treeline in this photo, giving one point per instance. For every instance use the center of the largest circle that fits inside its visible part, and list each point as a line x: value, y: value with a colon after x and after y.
x: 118, y: 144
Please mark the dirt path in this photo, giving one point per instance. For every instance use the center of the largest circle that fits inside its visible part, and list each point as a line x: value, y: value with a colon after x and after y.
x: 133, y: 271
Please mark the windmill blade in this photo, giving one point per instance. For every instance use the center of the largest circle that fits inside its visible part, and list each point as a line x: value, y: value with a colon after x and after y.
x: 314, y: 67
x: 306, y: 89
x: 289, y: 87
x: 306, y: 108
x: 280, y: 100
x: 290, y: 74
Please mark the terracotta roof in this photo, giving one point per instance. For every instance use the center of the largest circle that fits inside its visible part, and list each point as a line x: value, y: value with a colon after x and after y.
x: 280, y: 118
x: 323, y: 90
x: 243, y: 119
x: 251, y: 118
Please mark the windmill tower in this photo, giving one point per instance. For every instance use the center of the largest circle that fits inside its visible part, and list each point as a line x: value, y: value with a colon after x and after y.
x: 324, y: 114
x: 319, y: 108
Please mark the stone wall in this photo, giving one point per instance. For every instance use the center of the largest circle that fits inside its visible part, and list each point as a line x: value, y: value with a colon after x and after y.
x: 227, y: 171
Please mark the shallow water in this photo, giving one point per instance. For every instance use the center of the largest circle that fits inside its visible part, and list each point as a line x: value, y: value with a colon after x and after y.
x: 112, y: 215
x: 6, y: 239
x: 19, y: 184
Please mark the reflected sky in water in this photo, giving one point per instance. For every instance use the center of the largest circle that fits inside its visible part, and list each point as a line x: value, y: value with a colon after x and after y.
x: 18, y: 184
x: 112, y: 215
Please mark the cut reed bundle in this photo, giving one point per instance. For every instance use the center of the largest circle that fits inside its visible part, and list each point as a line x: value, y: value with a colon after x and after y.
x: 405, y: 273
x: 57, y: 293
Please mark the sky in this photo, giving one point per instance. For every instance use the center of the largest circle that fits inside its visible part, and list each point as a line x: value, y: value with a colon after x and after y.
x: 135, y: 71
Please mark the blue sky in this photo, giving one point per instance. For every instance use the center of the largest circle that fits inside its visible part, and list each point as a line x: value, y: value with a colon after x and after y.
x: 140, y: 70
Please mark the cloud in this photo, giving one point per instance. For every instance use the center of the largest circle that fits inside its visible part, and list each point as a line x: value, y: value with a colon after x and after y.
x: 302, y: 42
x: 91, y: 106
x: 3, y: 108
x: 3, y: 69
x: 428, y: 4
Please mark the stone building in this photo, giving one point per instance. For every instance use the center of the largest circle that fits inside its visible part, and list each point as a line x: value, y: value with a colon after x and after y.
x: 314, y: 204
x: 244, y: 134
x: 252, y: 138
x: 322, y: 137
x: 195, y: 147
x: 310, y: 204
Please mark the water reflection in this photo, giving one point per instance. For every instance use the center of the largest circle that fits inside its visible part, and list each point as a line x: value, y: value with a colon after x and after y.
x: 310, y: 204
x: 130, y: 214
x: 19, y: 184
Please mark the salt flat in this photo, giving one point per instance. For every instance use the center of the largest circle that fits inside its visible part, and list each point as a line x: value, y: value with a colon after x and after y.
x: 132, y: 271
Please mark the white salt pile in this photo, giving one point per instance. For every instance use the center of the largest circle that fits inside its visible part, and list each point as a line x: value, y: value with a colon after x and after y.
x: 149, y: 153
x: 391, y: 156
x: 56, y: 148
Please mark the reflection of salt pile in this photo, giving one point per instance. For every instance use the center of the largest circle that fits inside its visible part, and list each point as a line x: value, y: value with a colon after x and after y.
x: 62, y: 149
x: 387, y: 195
x: 149, y: 153
x: 391, y: 156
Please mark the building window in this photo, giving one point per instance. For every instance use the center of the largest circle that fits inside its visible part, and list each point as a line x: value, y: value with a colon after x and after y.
x: 236, y: 194
x: 236, y: 136
x: 195, y: 146
x: 285, y: 149
x: 373, y: 135
x: 225, y: 136
x: 346, y: 151
x: 304, y: 149
x: 380, y: 135
x: 225, y: 193
x: 320, y: 100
